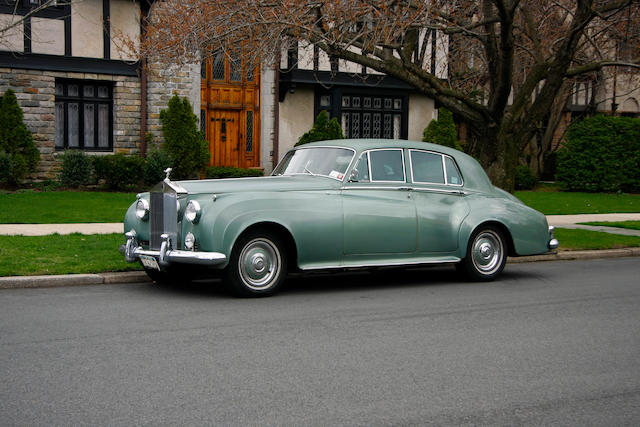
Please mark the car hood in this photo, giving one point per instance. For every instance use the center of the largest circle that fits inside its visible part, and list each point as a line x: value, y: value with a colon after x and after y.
x: 262, y: 184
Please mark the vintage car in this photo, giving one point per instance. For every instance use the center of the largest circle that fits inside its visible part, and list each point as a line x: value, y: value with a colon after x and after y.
x: 334, y: 205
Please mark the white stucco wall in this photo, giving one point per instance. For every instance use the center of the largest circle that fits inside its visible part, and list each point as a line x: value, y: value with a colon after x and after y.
x: 296, y: 118
x: 47, y: 36
x: 125, y: 26
x: 421, y: 111
x: 13, y: 38
x: 87, y: 29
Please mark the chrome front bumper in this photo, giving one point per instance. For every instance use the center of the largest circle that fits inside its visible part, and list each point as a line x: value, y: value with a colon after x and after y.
x: 166, y: 255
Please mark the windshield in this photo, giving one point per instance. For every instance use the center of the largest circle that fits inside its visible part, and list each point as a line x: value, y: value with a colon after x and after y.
x: 331, y: 162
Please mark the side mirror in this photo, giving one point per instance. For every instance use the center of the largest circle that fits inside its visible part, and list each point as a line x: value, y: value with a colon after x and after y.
x: 354, y: 176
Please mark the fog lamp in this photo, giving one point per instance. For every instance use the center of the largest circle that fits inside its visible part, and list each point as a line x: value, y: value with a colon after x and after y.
x: 190, y: 241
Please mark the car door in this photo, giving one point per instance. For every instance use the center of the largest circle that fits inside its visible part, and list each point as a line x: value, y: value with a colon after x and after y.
x: 379, y: 213
x: 439, y: 199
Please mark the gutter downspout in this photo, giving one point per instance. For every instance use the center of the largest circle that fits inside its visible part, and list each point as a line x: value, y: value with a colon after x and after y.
x: 143, y: 91
x: 276, y: 113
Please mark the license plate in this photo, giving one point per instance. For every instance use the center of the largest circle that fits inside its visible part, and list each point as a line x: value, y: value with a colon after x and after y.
x: 149, y: 262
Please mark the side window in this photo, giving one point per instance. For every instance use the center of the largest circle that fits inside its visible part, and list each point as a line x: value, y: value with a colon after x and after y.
x: 453, y: 175
x: 427, y: 167
x: 386, y: 165
x: 361, y: 172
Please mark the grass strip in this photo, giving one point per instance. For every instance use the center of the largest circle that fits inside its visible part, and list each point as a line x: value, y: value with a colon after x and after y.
x: 63, y: 207
x: 629, y: 225
x: 62, y: 254
x: 565, y: 203
x: 575, y: 239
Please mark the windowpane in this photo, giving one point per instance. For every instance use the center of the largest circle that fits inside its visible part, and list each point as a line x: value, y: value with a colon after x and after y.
x: 427, y: 167
x: 345, y: 125
x: 355, y: 125
x: 397, y: 123
x: 89, y: 125
x: 88, y: 91
x: 386, y: 165
x: 59, y: 125
x: 73, y: 125
x: 249, y: 131
x: 453, y: 175
x: 103, y: 126
x: 235, y: 72
x: 218, y: 67
x: 72, y: 90
x: 103, y: 92
x: 361, y: 172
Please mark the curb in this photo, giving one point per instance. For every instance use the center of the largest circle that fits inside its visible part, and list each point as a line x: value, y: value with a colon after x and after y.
x: 55, y: 281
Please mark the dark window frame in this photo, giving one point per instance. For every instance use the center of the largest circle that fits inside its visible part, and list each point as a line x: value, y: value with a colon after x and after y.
x: 83, y: 100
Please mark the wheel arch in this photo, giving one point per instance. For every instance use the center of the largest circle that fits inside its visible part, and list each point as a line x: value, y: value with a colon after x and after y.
x: 502, y: 228
x: 281, y: 231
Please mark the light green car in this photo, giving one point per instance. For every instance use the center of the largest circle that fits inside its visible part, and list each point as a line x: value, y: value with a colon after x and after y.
x: 334, y: 205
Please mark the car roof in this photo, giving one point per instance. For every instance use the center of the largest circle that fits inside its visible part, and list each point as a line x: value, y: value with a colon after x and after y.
x: 473, y: 174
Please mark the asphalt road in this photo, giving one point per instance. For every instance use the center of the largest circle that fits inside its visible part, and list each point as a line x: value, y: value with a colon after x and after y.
x: 554, y: 343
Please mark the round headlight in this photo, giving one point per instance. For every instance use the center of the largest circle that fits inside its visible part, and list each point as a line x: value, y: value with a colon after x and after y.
x: 190, y: 241
x: 142, y: 209
x: 192, y: 211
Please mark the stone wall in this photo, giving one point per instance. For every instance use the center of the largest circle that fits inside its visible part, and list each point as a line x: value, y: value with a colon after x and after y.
x: 35, y: 93
x: 162, y: 83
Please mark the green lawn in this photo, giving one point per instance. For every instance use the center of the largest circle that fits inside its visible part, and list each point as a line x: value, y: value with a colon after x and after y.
x: 565, y: 203
x: 574, y: 239
x: 631, y: 225
x: 57, y: 254
x: 60, y: 207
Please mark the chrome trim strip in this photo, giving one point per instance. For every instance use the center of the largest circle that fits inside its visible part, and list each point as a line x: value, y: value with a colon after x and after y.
x: 444, y: 168
x: 405, y: 188
x: 404, y: 169
x: 322, y: 146
x: 450, y: 260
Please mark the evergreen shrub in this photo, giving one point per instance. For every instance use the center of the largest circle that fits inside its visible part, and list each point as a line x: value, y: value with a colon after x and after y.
x: 156, y: 162
x: 602, y: 153
x: 5, y: 167
x: 442, y: 131
x: 183, y: 141
x: 231, y: 172
x: 77, y: 169
x: 323, y: 130
x: 525, y: 179
x: 16, y: 141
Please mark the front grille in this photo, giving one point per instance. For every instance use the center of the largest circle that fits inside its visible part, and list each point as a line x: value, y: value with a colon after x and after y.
x: 163, y: 218
x: 156, y: 220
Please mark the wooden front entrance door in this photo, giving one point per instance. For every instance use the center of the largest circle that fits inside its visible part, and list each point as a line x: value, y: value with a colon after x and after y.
x: 224, y: 143
x: 230, y: 107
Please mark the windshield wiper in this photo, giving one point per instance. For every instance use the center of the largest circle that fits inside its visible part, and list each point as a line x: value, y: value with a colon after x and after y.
x: 306, y: 169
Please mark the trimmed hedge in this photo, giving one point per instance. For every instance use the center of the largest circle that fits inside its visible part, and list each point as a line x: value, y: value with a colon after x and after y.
x: 231, y: 172
x: 602, y: 153
x: 120, y: 172
x: 77, y: 169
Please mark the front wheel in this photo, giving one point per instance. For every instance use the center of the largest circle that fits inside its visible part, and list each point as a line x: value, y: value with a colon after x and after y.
x: 257, y: 266
x: 486, y: 254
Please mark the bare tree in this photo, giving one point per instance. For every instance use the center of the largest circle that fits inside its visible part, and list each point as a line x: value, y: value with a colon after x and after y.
x: 508, y: 60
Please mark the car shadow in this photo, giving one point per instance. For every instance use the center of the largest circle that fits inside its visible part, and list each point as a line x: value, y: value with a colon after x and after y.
x: 343, y: 281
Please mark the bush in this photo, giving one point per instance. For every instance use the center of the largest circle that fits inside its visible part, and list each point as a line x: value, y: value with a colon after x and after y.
x: 120, y: 172
x: 183, y: 141
x: 5, y: 167
x: 442, y: 131
x: 602, y: 153
x: 231, y: 172
x: 323, y: 130
x: 525, y: 179
x: 154, y: 166
x: 15, y: 140
x: 77, y: 169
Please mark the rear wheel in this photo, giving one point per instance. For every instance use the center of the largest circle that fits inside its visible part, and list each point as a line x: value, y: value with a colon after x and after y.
x: 257, y: 266
x: 486, y: 254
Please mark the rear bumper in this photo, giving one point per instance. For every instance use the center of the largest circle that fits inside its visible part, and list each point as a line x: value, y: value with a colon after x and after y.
x: 166, y: 255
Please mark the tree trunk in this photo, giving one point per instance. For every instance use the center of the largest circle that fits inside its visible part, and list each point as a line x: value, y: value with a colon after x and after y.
x: 498, y: 154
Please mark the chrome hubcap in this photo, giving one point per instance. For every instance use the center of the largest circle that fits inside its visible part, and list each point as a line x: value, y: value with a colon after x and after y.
x: 259, y: 263
x: 487, y: 252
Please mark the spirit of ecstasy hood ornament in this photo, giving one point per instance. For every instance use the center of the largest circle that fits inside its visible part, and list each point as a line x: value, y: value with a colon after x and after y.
x: 167, y: 171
